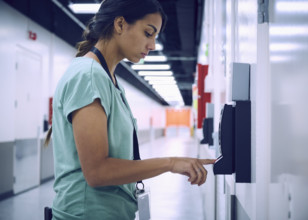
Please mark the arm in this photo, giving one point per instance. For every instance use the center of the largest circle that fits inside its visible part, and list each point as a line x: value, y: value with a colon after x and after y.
x: 90, y: 133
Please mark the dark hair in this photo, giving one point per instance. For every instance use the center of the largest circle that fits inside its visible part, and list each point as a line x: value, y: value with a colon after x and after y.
x: 101, y: 25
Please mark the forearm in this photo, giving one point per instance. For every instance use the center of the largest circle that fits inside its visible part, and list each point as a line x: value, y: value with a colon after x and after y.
x: 90, y: 133
x: 113, y: 171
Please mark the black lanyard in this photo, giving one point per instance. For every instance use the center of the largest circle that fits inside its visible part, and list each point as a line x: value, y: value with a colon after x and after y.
x: 104, y: 65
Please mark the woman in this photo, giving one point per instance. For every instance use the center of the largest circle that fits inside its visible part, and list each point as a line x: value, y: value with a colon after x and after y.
x: 93, y: 127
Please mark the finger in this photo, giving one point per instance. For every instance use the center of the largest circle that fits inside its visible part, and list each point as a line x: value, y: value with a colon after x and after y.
x: 207, y: 161
x: 193, y: 175
x: 204, y: 172
x: 199, y: 175
x: 204, y: 175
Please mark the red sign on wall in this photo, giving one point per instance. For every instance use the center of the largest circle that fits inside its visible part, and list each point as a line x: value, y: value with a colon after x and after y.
x: 203, y: 97
x: 32, y: 35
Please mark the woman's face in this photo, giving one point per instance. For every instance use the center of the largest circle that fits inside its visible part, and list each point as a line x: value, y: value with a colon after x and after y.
x: 139, y: 38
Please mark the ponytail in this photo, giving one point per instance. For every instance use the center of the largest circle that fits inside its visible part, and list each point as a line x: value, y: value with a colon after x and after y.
x: 84, y: 47
x: 90, y: 38
x: 48, y: 136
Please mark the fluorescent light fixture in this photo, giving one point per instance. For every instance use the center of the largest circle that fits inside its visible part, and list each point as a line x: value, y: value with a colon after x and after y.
x: 292, y: 6
x: 151, y: 67
x: 278, y: 59
x: 289, y: 31
x: 163, y: 87
x: 159, y: 78
x: 155, y: 58
x: 174, y: 99
x: 248, y: 7
x: 284, y: 47
x: 170, y: 93
x: 155, y: 73
x: 159, y: 47
x: 84, y: 8
x: 158, y: 82
x: 167, y: 90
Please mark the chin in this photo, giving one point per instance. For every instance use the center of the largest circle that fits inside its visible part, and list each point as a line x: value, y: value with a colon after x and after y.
x: 134, y: 60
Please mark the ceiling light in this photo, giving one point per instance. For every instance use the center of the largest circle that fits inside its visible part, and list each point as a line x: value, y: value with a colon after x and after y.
x: 155, y: 73
x: 84, y: 8
x: 167, y: 89
x: 155, y: 58
x: 277, y: 58
x: 284, y: 47
x: 159, y: 47
x: 158, y: 82
x: 161, y: 58
x: 170, y: 93
x: 289, y: 31
x: 292, y: 6
x: 151, y: 67
x: 159, y: 78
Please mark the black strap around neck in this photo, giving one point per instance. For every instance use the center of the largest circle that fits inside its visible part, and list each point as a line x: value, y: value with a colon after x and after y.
x: 104, y: 65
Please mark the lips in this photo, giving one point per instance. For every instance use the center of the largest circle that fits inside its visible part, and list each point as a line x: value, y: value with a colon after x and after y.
x: 143, y: 55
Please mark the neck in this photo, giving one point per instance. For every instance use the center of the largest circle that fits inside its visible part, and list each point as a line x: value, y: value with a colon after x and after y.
x: 109, y: 51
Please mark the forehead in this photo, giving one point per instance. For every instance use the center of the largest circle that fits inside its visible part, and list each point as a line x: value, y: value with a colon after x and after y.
x: 152, y: 20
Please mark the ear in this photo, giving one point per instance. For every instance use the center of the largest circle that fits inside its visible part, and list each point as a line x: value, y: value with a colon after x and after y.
x: 119, y: 23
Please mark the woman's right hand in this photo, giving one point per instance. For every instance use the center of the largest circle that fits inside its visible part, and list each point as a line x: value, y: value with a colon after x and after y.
x: 191, y: 167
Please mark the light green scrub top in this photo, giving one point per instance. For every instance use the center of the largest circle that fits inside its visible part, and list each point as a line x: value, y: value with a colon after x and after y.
x: 84, y: 81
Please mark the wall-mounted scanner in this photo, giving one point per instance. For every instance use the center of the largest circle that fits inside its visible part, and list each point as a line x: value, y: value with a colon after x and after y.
x: 235, y: 129
x: 207, y: 125
x: 207, y: 129
x: 225, y: 163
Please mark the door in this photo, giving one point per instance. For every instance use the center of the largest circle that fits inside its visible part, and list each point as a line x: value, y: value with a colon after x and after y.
x: 27, y: 120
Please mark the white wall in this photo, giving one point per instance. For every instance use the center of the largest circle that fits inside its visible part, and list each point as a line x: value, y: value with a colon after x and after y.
x: 14, y: 35
x: 144, y: 108
x: 56, y: 56
x: 288, y: 50
x: 277, y: 53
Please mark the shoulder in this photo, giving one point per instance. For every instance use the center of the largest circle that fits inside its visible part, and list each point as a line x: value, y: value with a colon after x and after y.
x: 82, y: 74
x: 84, y: 70
x: 85, y: 65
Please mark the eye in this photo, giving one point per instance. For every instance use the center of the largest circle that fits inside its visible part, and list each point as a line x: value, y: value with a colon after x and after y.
x: 147, y: 34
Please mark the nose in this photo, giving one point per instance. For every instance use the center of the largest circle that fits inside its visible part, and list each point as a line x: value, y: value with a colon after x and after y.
x: 151, y: 45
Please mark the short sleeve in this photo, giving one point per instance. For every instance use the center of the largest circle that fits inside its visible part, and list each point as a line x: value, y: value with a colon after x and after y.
x: 82, y: 89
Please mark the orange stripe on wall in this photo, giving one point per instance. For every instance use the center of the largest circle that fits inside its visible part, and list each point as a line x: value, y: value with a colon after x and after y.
x: 176, y: 117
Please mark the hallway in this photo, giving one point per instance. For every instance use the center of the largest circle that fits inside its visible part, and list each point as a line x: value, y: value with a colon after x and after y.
x: 172, y: 197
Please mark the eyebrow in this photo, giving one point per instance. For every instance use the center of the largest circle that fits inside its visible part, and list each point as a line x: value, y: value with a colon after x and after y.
x: 155, y: 29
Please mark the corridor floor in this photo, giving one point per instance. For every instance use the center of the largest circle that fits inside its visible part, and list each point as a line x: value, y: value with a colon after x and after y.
x: 172, y: 196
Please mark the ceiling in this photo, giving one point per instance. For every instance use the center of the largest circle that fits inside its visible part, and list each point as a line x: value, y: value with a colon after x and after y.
x: 180, y: 39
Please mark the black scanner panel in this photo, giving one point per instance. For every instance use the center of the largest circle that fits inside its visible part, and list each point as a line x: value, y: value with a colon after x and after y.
x: 243, y: 142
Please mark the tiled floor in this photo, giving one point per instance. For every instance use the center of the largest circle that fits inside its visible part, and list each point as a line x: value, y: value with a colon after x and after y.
x: 172, y: 197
